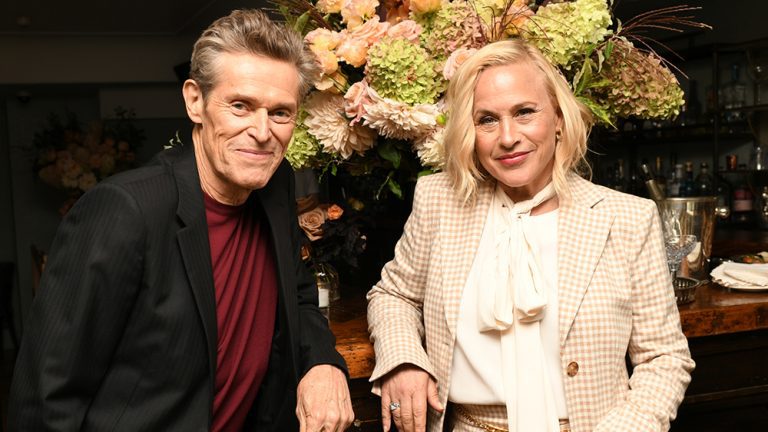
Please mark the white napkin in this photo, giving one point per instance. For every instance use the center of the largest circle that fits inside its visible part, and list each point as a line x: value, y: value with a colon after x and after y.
x: 741, y: 275
x: 756, y: 274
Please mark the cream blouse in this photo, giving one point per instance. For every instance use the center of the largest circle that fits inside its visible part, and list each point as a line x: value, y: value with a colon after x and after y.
x: 477, y: 359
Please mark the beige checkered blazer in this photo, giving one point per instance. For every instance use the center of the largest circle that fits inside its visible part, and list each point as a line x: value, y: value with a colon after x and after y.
x: 614, y: 291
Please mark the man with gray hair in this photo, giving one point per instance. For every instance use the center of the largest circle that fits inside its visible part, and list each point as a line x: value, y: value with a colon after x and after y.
x: 174, y: 298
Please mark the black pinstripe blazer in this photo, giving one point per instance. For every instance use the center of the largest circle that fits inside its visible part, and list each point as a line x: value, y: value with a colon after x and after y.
x: 122, y: 334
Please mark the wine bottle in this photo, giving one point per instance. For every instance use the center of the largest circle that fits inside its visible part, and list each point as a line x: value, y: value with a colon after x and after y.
x: 654, y: 191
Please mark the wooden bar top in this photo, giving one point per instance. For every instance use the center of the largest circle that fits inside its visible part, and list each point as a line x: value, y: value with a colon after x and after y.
x: 719, y: 310
x: 716, y: 310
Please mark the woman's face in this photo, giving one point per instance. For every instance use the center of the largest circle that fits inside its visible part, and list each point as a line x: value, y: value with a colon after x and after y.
x: 515, y: 127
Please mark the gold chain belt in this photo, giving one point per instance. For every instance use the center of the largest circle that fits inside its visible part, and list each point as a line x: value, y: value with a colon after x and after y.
x: 469, y: 418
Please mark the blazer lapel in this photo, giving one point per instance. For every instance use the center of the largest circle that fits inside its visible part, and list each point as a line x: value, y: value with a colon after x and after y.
x: 463, y: 228
x: 195, y: 249
x: 583, y: 232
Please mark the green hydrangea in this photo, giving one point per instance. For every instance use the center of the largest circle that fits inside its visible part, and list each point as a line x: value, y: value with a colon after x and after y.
x: 641, y: 85
x: 563, y: 31
x: 452, y: 27
x: 303, y: 146
x: 401, y: 70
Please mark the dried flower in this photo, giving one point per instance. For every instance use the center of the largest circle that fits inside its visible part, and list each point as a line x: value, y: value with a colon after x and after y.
x: 640, y: 84
x: 454, y: 26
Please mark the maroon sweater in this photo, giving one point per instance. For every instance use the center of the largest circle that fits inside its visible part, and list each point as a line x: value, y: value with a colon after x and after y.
x: 245, y: 282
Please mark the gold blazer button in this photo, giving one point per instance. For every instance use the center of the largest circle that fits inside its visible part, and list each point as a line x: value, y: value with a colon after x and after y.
x: 573, y: 369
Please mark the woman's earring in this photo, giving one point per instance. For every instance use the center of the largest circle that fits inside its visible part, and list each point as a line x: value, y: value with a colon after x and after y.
x: 557, y: 137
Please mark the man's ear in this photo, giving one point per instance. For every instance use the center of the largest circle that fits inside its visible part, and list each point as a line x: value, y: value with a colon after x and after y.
x: 193, y: 99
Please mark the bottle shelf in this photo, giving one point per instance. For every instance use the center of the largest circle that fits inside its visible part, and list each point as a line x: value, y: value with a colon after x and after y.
x: 681, y: 134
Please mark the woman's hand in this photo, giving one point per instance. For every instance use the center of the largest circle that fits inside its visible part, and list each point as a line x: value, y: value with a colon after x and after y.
x: 412, y: 388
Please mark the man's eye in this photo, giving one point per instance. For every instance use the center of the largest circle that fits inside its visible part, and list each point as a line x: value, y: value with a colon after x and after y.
x: 281, y: 116
x: 238, y: 106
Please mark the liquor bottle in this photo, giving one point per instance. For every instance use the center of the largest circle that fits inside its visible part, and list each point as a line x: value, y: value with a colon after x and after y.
x: 655, y: 191
x: 659, y: 177
x: 734, y: 94
x: 673, y: 189
x: 688, y: 185
x: 742, y: 205
x: 724, y: 193
x: 704, y: 182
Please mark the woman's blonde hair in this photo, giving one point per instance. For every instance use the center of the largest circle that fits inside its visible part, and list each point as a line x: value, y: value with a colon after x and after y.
x: 250, y: 31
x: 462, y: 165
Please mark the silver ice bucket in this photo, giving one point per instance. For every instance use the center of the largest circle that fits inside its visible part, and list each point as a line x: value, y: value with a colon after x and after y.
x: 696, y: 216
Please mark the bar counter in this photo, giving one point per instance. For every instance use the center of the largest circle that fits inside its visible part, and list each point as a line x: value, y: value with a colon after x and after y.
x: 727, y: 332
x: 715, y: 311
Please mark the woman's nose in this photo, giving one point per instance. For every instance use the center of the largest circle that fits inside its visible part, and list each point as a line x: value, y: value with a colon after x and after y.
x: 508, y: 133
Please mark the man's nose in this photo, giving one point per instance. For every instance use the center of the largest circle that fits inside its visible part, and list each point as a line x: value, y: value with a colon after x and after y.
x: 259, y: 125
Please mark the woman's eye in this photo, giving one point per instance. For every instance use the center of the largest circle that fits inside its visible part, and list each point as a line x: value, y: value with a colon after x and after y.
x: 486, y: 120
x: 525, y: 111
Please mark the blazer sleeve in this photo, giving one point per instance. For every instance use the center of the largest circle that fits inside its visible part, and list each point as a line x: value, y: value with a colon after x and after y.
x: 657, y: 348
x: 77, y: 318
x: 395, y: 303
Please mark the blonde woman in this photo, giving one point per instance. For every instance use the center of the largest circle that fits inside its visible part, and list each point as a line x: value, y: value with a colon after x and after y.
x: 518, y: 287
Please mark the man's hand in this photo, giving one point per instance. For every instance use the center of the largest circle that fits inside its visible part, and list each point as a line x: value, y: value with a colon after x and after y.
x: 412, y: 388
x: 323, y: 402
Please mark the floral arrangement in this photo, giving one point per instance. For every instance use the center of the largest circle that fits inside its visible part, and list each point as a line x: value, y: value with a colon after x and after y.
x: 330, y: 238
x: 75, y: 159
x: 377, y: 109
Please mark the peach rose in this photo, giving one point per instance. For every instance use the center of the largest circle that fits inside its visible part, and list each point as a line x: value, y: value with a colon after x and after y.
x: 323, y: 39
x: 328, y: 61
x: 355, y: 100
x: 372, y: 31
x: 334, y: 212
x: 355, y: 12
x: 407, y: 29
x: 421, y: 7
x: 311, y: 222
x: 353, y: 51
x: 329, y: 6
x: 455, y: 60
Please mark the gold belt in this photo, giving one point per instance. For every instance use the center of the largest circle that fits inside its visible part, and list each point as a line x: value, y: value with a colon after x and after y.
x: 470, y: 419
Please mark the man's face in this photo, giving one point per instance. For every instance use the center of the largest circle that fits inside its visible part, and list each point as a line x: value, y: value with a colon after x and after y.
x: 246, y: 123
